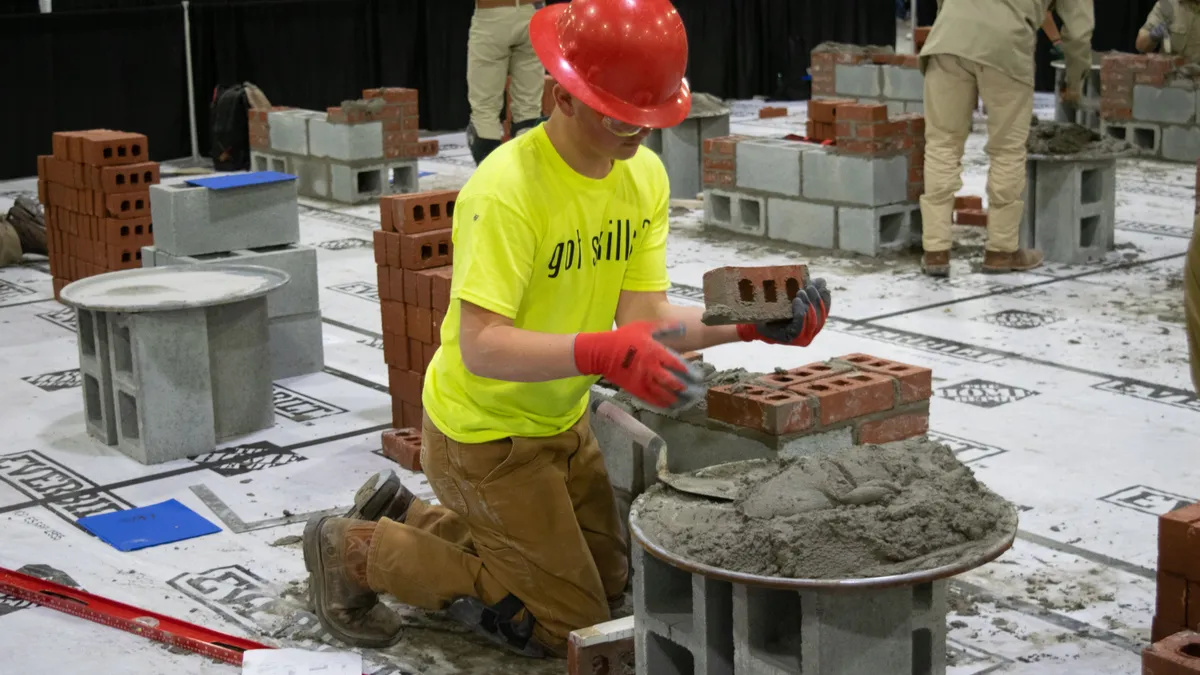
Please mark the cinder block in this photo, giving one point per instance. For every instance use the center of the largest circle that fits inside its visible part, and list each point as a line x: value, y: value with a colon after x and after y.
x: 192, y: 220
x: 917, y: 107
x: 1070, y: 209
x: 1147, y: 138
x: 345, y: 142
x: 855, y: 180
x: 654, y: 141
x: 871, y: 231
x: 906, y: 84
x: 289, y: 130
x: 1181, y: 144
x: 801, y: 222
x: 297, y: 345
x: 404, y: 177
x: 95, y: 370
x: 681, y: 155
x: 1167, y: 105
x: 268, y: 161
x: 736, y: 212
x: 862, y: 80
x: 771, y: 165
x: 358, y: 184
x: 745, y: 294
x: 239, y: 368
x: 300, y: 295
x: 683, y: 623
x: 313, y: 176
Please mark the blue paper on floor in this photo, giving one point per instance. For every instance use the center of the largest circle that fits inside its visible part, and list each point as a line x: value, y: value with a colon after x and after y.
x: 425, y: 173
x: 148, y: 526
x: 241, y: 180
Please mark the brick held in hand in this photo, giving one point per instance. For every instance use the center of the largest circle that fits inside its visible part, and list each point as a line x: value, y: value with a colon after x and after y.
x: 403, y: 446
x: 747, y: 294
x: 773, y: 411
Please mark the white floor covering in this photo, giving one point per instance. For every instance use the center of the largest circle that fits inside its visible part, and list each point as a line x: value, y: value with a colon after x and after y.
x: 1065, y: 389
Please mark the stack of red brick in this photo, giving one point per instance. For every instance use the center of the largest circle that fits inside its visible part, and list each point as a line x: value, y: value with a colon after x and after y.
x: 414, y: 252
x: 1176, y: 647
x: 1119, y: 73
x: 825, y: 63
x: 720, y: 162
x: 96, y: 192
x: 920, y: 37
x: 880, y: 400
x: 969, y: 210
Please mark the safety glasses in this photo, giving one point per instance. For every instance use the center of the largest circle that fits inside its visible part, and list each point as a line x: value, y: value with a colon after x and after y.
x: 619, y: 128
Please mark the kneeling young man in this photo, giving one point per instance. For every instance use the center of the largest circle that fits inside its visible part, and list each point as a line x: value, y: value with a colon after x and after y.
x: 558, y: 234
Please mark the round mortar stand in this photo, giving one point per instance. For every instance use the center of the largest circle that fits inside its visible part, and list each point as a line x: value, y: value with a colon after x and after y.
x: 177, y: 286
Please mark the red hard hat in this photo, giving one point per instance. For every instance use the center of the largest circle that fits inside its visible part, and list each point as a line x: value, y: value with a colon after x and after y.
x: 623, y: 58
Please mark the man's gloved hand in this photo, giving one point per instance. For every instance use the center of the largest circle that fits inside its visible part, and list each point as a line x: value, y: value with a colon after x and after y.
x: 632, y: 358
x: 1056, y: 51
x: 1159, y: 32
x: 809, y: 311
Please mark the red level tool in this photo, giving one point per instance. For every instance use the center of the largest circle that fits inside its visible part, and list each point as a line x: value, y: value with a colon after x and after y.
x: 164, y: 629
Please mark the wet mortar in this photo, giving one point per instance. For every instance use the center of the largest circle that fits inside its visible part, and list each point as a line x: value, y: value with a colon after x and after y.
x: 1062, y: 139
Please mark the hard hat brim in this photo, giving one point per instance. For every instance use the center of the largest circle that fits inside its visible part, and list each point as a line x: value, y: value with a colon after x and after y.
x: 543, y: 33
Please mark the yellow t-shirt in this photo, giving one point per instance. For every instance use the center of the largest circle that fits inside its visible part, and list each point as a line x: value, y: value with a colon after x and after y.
x: 552, y: 250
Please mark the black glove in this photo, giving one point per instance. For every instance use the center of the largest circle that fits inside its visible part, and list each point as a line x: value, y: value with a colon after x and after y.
x: 810, y: 308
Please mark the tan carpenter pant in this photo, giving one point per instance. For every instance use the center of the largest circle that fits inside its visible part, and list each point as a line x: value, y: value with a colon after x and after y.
x: 498, y: 46
x: 952, y: 87
x: 1191, y: 301
x: 533, y: 517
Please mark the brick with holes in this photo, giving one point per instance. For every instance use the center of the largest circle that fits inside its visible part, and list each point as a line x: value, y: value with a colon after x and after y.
x: 782, y: 379
x: 425, y: 250
x: 748, y: 294
x: 1175, y: 554
x: 604, y: 649
x: 777, y: 412
x: 403, y: 446
x: 1178, y: 654
x: 847, y: 396
x: 111, y: 148
x: 125, y: 178
x: 913, y: 383
x: 419, y: 212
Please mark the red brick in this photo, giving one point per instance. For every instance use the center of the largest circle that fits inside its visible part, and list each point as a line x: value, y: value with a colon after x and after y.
x: 406, y: 385
x: 379, y: 243
x: 1161, y: 630
x: 849, y: 395
x: 756, y: 293
x: 1178, y: 654
x: 1193, y: 605
x: 603, y: 658
x: 127, y: 178
x: 395, y: 350
x: 913, y: 382
x: 383, y: 283
x: 968, y: 202
x: 718, y: 179
x: 394, y: 317
x: 727, y: 164
x: 973, y: 217
x: 721, y: 145
x: 1171, y: 599
x: 896, y: 428
x: 416, y: 354
x: 773, y: 411
x: 412, y: 414
x: 110, y: 148
x: 862, y: 112
x: 825, y: 110
x: 1174, y: 555
x: 427, y: 352
x: 127, y: 205
x: 857, y: 147
x: 418, y: 288
x: 807, y: 373
x: 438, y: 319
x: 440, y: 280
x: 128, y: 232
x: 419, y: 212
x: 403, y: 446
x: 767, y: 112
x: 426, y: 250
x: 392, y: 249
x: 393, y: 94
x: 420, y: 324
x: 119, y: 257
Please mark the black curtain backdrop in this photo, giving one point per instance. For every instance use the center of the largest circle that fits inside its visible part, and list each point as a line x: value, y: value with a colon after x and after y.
x: 120, y: 64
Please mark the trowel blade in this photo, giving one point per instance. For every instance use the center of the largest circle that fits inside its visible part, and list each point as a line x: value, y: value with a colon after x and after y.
x: 713, y: 488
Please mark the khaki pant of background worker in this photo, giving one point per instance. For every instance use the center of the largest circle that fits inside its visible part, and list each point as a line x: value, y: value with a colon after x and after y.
x: 534, y: 517
x: 1191, y: 301
x: 499, y: 46
x: 953, y: 85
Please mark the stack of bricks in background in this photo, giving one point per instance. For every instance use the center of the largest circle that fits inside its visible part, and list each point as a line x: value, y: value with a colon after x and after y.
x: 968, y: 210
x: 249, y: 225
x: 353, y: 153
x: 1147, y: 103
x: 95, y: 190
x: 413, y: 252
x: 1178, y: 598
x: 859, y: 194
x: 869, y: 74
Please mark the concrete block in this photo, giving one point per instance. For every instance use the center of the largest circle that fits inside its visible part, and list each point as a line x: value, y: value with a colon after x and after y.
x: 682, y: 155
x: 871, y: 231
x: 312, y: 176
x: 404, y: 177
x: 1167, y: 105
x: 1147, y: 138
x: 1181, y: 144
x: 862, y: 80
x: 358, y: 184
x: 917, y: 107
x: 345, y: 142
x: 855, y: 180
x: 802, y: 222
x: 906, y: 84
x: 297, y: 345
x: 716, y: 126
x: 196, y: 220
x: 300, y: 295
x: 735, y: 211
x: 289, y: 131
x: 95, y: 369
x: 1070, y: 209
x: 265, y: 161
x: 239, y: 368
x: 654, y: 141
x: 771, y: 165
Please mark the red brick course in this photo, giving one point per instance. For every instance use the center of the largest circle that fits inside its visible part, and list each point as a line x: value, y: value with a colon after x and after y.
x: 777, y: 412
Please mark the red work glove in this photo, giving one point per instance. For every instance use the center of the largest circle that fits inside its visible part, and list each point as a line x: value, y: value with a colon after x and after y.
x: 810, y: 308
x: 632, y: 358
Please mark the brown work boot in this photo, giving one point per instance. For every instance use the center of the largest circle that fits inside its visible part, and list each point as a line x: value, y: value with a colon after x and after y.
x: 382, y: 496
x: 1020, y: 260
x: 936, y: 263
x: 335, y: 553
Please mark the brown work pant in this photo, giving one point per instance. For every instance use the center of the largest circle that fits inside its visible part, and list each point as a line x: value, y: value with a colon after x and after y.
x: 534, y: 517
x: 1191, y: 301
x: 953, y: 85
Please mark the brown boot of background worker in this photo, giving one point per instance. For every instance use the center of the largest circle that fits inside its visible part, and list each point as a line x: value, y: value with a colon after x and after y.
x: 1020, y: 260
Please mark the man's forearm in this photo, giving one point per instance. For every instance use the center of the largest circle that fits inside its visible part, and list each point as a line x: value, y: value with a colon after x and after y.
x: 696, y: 335
x: 1051, y: 29
x: 517, y: 355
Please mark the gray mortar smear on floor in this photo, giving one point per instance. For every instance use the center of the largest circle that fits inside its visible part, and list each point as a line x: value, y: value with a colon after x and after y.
x: 865, y: 511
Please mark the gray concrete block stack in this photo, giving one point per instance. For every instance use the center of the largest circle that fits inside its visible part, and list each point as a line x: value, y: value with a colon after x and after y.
x: 869, y: 74
x: 1147, y: 102
x: 1070, y: 208
x: 859, y: 195
x: 249, y: 225
x: 352, y: 154
x: 681, y: 146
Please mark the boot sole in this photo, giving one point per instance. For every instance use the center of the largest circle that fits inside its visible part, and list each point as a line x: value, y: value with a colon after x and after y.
x: 1007, y: 270
x: 316, y: 590
x: 936, y: 270
x: 371, y: 502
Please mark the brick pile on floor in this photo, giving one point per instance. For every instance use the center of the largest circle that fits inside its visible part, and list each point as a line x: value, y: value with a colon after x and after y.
x: 95, y: 190
x: 1176, y: 645
x: 968, y: 210
x: 413, y: 252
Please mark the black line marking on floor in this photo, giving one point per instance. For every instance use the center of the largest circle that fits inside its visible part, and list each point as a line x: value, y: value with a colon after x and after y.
x: 1079, y: 628
x: 352, y: 329
x: 357, y: 380
x: 1098, y: 558
x: 26, y: 302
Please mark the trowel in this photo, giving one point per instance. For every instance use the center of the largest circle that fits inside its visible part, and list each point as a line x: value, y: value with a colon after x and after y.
x: 722, y: 489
